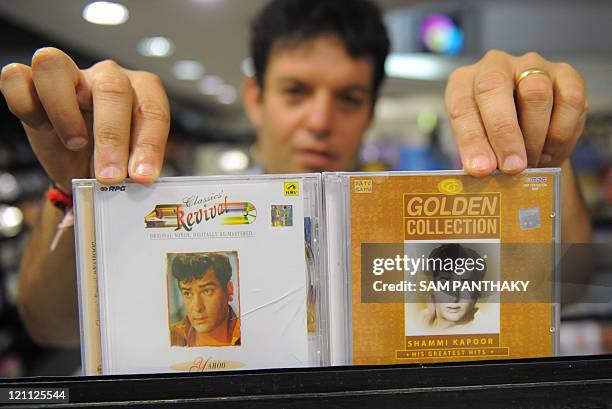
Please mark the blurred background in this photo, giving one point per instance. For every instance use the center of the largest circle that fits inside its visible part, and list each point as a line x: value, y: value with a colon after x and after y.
x: 199, y: 49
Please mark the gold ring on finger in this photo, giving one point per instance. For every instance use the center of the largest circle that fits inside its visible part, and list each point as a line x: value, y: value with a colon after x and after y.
x: 529, y: 71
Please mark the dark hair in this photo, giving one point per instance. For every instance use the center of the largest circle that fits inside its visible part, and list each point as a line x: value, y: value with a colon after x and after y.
x: 456, y: 251
x: 193, y: 266
x: 357, y: 23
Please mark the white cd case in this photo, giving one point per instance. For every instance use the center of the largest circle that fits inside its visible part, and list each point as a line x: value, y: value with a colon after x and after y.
x: 201, y: 274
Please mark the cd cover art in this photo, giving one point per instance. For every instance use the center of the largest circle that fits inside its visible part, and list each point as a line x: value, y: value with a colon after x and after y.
x: 201, y: 274
x: 442, y: 266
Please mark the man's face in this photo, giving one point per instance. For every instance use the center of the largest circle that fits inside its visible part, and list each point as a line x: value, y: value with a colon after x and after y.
x: 206, y: 302
x: 453, y: 306
x: 314, y: 109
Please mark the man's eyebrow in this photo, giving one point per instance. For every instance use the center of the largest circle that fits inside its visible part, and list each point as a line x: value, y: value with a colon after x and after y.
x: 207, y: 283
x: 204, y: 284
x: 291, y: 79
x: 356, y: 88
x: 347, y: 88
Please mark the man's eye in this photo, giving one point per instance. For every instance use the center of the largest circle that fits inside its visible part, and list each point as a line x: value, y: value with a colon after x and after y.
x: 295, y: 91
x: 352, y: 101
x: 186, y: 293
x: 209, y: 291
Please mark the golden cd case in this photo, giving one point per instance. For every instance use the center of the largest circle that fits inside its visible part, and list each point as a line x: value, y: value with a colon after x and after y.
x: 441, y: 266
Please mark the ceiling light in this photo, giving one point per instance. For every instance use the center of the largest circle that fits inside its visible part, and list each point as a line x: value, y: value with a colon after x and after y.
x: 188, y: 70
x: 233, y: 160
x: 227, y: 94
x: 247, y: 67
x: 105, y: 13
x: 210, y: 85
x: 155, y: 47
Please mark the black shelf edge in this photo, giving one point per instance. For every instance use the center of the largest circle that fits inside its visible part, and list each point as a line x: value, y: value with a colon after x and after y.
x: 543, y: 382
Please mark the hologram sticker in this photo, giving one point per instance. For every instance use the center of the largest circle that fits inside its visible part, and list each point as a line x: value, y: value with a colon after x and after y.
x: 529, y: 218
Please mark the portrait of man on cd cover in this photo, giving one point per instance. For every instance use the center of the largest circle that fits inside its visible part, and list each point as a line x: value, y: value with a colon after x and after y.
x: 453, y: 309
x: 205, y: 313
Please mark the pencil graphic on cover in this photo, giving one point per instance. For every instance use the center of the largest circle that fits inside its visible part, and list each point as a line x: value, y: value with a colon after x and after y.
x: 164, y: 215
x: 240, y: 213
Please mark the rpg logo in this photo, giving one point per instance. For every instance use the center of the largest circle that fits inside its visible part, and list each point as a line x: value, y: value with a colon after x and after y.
x: 114, y: 188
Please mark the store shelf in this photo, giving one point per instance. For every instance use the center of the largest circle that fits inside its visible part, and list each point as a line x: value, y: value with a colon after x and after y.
x: 570, y: 382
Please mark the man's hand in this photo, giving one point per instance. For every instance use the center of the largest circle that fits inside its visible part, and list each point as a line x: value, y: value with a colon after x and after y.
x: 502, y: 121
x: 105, y: 122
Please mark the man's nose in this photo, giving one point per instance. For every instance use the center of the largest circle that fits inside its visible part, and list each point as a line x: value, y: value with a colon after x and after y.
x: 454, y: 295
x: 198, y: 304
x: 320, y: 115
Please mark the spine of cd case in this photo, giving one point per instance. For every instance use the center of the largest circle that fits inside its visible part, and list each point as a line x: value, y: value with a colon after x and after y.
x: 555, y: 328
x: 316, y: 263
x: 87, y: 281
x: 337, y: 230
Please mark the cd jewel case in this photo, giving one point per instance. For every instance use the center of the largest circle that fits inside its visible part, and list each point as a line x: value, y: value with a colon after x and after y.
x: 269, y: 271
x: 200, y: 274
x: 441, y: 266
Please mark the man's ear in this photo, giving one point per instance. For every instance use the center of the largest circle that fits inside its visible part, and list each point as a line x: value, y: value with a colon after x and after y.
x: 230, y: 291
x: 252, y: 100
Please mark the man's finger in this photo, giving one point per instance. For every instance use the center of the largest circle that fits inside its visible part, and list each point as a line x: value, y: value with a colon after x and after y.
x: 568, y: 148
x: 21, y: 99
x: 494, y: 94
x: 534, y: 96
x: 569, y: 106
x: 150, y: 127
x: 581, y: 124
x: 112, y: 96
x: 476, y: 154
x: 59, y: 163
x: 56, y: 78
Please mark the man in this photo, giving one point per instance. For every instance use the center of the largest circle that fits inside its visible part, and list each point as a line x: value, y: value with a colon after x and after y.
x: 451, y: 309
x: 319, y: 64
x: 204, y: 281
